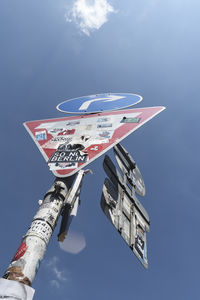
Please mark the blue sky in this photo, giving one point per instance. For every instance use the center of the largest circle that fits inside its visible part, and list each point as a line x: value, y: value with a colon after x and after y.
x: 56, y: 50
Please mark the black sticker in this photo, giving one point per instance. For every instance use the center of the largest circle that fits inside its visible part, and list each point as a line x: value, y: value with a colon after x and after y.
x: 68, y: 156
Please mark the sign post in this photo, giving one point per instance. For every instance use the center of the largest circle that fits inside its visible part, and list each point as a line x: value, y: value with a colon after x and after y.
x: 29, y: 255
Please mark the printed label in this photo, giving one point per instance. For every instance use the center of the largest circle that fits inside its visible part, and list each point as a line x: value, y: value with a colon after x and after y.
x: 68, y: 156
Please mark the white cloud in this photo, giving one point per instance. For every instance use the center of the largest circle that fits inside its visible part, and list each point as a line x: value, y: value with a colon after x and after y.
x: 55, y: 283
x: 89, y: 15
x: 60, y: 275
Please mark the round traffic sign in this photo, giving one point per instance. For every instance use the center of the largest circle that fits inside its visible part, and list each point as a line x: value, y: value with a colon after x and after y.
x: 99, y: 103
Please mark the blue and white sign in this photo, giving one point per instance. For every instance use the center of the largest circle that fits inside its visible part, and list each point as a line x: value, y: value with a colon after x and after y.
x: 99, y: 103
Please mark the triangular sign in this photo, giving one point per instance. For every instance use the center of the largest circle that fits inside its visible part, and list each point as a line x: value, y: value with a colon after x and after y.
x: 69, y: 144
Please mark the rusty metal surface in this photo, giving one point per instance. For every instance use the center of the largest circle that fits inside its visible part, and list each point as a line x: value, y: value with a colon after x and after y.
x: 15, y: 273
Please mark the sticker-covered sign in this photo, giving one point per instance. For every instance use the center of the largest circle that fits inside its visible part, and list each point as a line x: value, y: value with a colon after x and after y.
x: 124, y: 213
x: 69, y: 144
x: 130, y: 169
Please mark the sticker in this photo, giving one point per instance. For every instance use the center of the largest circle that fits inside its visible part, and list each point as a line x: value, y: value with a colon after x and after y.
x: 20, y: 263
x: 88, y: 127
x: 68, y: 156
x: 94, y: 148
x: 61, y: 166
x: 66, y: 165
x: 139, y: 241
x: 61, y: 139
x: 41, y: 135
x: 42, y: 229
x: 20, y: 252
x: 50, y: 219
x: 37, y: 266
x: 104, y: 125
x: 105, y: 134
x: 54, y: 142
x: 46, y: 205
x: 103, y: 119
x: 66, y: 132
x: 83, y: 138
x: 130, y: 120
x: 56, y: 130
x: 70, y: 147
x: 72, y: 123
x: 111, y: 202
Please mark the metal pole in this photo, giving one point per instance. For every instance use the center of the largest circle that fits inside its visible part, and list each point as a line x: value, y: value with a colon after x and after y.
x: 25, y: 264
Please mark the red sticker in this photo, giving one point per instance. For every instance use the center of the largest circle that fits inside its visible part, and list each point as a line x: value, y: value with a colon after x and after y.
x: 20, y: 252
x: 66, y: 132
x: 94, y: 148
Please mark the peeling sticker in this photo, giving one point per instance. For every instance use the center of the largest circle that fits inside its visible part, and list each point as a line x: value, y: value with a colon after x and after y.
x: 60, y: 166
